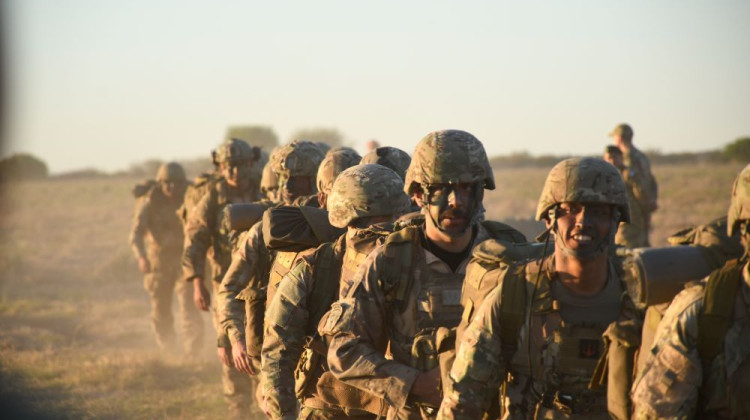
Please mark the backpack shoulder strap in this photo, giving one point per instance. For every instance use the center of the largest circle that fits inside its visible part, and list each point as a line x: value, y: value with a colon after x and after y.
x: 718, y: 303
x: 328, y: 259
x: 399, y: 250
x: 501, y: 231
x: 512, y: 309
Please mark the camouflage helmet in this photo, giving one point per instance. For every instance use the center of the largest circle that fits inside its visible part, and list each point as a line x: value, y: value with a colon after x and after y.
x: 366, y: 191
x: 390, y: 157
x: 298, y: 158
x: 584, y: 180
x: 235, y: 151
x: 739, y: 208
x: 171, y: 172
x: 336, y: 160
x: 449, y: 157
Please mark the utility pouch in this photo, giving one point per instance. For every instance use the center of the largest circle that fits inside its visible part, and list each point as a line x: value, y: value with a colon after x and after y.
x: 445, y: 342
x: 304, y: 374
x: 622, y: 340
x: 337, y: 393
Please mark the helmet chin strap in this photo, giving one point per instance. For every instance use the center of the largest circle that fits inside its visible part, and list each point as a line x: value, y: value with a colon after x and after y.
x: 602, y: 247
x: 473, y: 210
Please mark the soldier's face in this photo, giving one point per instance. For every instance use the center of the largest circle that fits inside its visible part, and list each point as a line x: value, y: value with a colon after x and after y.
x: 172, y: 189
x: 450, y: 206
x: 237, y: 174
x: 583, y: 226
x: 291, y: 188
x: 615, y: 160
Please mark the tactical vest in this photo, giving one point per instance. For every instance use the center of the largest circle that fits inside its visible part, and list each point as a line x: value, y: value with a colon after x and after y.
x: 725, y: 389
x: 194, y: 192
x: 564, y: 356
x: 331, y: 263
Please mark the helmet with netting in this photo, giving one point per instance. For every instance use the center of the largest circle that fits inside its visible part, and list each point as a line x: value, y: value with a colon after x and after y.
x: 449, y: 157
x: 390, y: 157
x: 366, y: 191
x: 336, y: 160
x: 739, y: 208
x: 171, y: 172
x: 235, y: 151
x: 584, y: 180
x: 298, y: 158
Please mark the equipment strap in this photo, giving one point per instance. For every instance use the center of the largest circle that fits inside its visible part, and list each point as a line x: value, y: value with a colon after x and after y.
x: 718, y: 303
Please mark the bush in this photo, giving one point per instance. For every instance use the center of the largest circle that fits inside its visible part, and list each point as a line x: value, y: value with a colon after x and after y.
x: 255, y: 135
x: 22, y: 166
x: 738, y: 150
x: 330, y: 136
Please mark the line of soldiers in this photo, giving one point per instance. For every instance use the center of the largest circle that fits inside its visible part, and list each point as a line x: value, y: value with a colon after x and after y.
x: 375, y: 287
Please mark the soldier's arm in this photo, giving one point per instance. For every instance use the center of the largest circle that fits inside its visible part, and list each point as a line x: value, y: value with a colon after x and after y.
x: 140, y: 227
x: 667, y: 387
x: 198, y: 237
x: 477, y: 369
x: 231, y: 310
x: 359, y: 337
x: 285, y: 326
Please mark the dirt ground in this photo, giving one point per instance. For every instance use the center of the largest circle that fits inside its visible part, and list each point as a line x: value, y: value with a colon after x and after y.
x: 75, y: 339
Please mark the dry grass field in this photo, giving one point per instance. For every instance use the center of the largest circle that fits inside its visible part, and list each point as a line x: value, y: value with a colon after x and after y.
x: 75, y: 340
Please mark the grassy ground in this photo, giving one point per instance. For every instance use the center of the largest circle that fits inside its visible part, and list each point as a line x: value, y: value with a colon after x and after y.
x: 75, y: 340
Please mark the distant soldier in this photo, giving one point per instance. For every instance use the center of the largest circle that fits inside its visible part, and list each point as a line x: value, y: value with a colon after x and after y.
x: 633, y: 234
x: 645, y: 189
x: 157, y: 239
x: 699, y: 365
x: 365, y: 199
x: 390, y: 157
x: 538, y: 334
x: 235, y: 159
x: 391, y: 335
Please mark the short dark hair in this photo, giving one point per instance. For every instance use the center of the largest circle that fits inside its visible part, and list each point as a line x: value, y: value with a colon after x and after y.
x: 613, y: 150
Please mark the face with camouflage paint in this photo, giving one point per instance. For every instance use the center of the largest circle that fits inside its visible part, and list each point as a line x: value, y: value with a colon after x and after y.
x: 237, y: 174
x: 451, y: 207
x: 293, y: 187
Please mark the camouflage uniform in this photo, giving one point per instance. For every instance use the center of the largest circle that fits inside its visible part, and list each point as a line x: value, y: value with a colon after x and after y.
x: 203, y: 233
x: 699, y: 365
x: 644, y: 190
x: 243, y: 288
x: 405, y: 300
x: 157, y: 237
x: 545, y: 373
x: 306, y: 292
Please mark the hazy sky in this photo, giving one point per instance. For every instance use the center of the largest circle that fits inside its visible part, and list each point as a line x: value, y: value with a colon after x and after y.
x: 98, y: 83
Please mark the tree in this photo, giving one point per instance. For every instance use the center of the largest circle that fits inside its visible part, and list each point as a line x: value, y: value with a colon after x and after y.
x: 738, y: 150
x: 330, y: 136
x: 22, y: 166
x: 256, y: 135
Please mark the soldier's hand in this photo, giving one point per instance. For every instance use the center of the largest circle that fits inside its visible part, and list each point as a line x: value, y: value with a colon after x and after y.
x: 241, y: 359
x: 144, y: 265
x: 426, y: 387
x: 224, y: 355
x: 200, y: 295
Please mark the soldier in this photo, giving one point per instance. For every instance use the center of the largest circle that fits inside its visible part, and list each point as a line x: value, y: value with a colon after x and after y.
x: 396, y: 320
x: 566, y: 300
x: 156, y: 239
x: 336, y: 160
x: 645, y: 189
x: 390, y: 157
x: 699, y: 365
x: 364, y: 200
x: 295, y: 165
x: 235, y: 159
x: 633, y: 234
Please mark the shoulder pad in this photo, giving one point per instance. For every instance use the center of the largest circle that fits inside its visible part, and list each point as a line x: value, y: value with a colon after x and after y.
x: 493, y: 251
x: 498, y: 230
x: 414, y: 218
x: 143, y: 188
x: 404, y: 235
